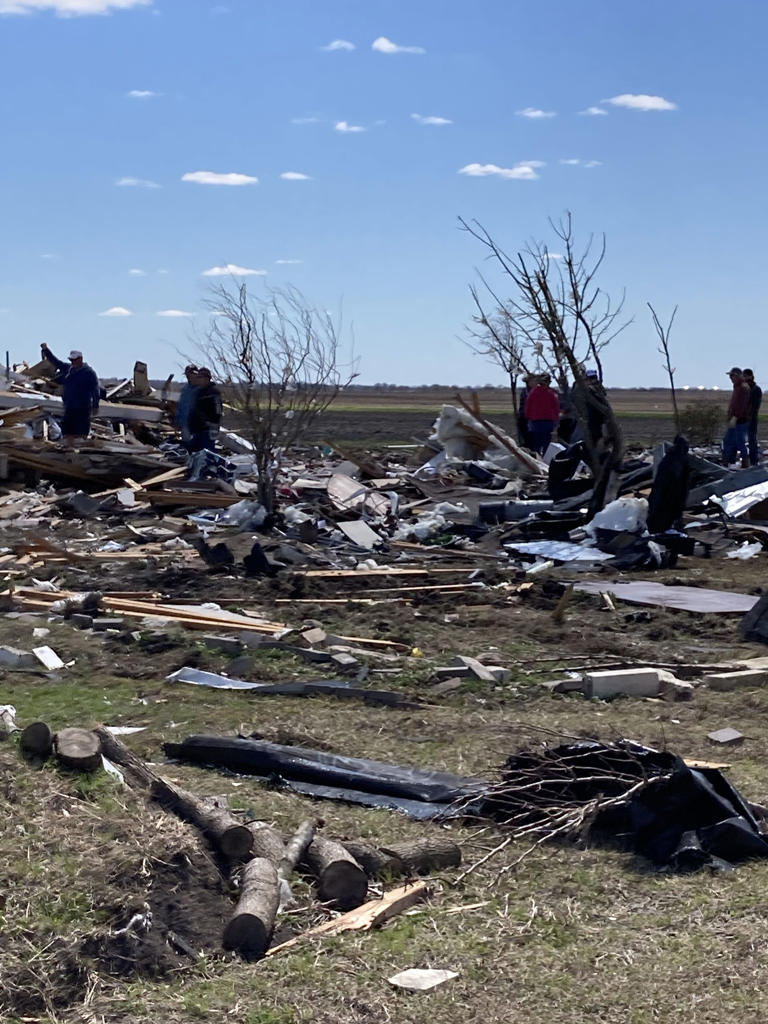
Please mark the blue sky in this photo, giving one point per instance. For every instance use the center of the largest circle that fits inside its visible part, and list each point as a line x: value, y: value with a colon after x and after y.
x: 107, y: 105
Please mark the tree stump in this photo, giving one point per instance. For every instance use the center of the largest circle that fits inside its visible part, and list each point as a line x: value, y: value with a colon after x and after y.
x: 79, y: 749
x: 249, y: 930
x: 341, y: 881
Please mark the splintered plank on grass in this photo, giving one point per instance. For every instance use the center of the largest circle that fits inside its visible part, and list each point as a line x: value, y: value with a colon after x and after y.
x: 370, y: 915
x: 689, y: 599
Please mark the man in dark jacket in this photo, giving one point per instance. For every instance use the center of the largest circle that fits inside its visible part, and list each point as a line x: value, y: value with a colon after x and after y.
x: 739, y: 413
x: 755, y: 400
x: 80, y: 393
x: 205, y: 415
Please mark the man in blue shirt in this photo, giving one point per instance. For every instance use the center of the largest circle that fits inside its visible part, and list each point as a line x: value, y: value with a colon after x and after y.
x: 80, y: 393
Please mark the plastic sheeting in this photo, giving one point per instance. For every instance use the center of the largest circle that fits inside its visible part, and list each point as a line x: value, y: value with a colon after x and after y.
x: 333, y: 776
x: 560, y: 551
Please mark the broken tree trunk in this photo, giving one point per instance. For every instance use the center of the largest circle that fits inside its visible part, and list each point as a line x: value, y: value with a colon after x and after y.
x: 341, y: 881
x: 296, y: 848
x: 267, y: 841
x: 249, y: 930
x: 37, y: 740
x: 410, y: 857
x: 233, y: 839
x: 79, y: 749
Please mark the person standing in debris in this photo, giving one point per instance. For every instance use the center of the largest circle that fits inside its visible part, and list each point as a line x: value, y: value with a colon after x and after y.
x: 185, y: 404
x: 542, y: 410
x: 739, y: 413
x: 80, y: 393
x: 205, y: 414
x: 755, y: 401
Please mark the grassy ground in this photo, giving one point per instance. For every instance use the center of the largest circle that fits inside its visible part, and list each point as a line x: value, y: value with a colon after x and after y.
x: 571, y: 932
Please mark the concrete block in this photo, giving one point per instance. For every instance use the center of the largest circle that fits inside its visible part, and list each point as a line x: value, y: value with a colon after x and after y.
x: 631, y: 682
x: 101, y: 625
x: 81, y: 621
x: 501, y: 675
x: 252, y: 638
x: 446, y: 686
x: 12, y: 657
x: 314, y: 637
x: 736, y: 680
x: 726, y: 737
x: 242, y: 666
x: 48, y: 658
x: 228, y: 644
x: 474, y: 668
x: 676, y: 689
x: 451, y: 671
x: 345, y: 662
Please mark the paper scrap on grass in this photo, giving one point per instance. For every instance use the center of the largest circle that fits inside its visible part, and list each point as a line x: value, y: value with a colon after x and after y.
x: 418, y: 979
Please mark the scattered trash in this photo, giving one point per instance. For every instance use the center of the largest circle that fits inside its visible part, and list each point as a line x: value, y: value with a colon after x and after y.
x: 421, y: 979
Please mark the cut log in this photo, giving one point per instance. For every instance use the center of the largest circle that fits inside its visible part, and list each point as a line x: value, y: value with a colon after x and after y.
x: 410, y: 857
x: 233, y: 839
x: 37, y: 740
x: 267, y: 842
x: 249, y: 930
x: 296, y: 848
x: 341, y: 881
x: 420, y: 856
x: 79, y: 749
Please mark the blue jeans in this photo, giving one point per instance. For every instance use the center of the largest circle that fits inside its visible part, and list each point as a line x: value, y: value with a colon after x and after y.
x: 754, y: 453
x: 541, y: 434
x: 735, y: 441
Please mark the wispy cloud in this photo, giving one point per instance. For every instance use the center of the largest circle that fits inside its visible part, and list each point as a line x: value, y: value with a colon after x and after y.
x: 305, y: 120
x: 137, y: 272
x: 534, y: 114
x: 48, y: 256
x: 431, y: 119
x: 295, y: 176
x: 554, y: 255
x: 338, y: 44
x: 384, y: 45
x: 215, y: 178
x: 525, y: 171
x: 69, y: 8
x: 135, y: 182
x: 116, y: 311
x: 287, y: 262
x: 594, y: 112
x: 141, y: 94
x: 174, y: 313
x: 344, y: 126
x: 576, y: 162
x: 641, y: 101
x: 232, y: 270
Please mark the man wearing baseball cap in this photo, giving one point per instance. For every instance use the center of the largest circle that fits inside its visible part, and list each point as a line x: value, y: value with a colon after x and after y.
x: 739, y: 411
x: 80, y: 393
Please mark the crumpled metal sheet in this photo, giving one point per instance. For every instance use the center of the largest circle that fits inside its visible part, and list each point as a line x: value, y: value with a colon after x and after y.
x: 736, y: 503
x: 560, y: 551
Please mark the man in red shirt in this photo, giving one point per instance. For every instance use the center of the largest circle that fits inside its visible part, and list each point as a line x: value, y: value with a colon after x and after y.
x: 739, y: 413
x: 542, y: 410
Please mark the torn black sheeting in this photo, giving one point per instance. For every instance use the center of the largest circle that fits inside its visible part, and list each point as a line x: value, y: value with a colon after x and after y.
x: 676, y: 816
x: 334, y: 776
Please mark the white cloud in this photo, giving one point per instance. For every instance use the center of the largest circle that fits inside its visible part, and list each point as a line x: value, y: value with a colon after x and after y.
x: 521, y: 172
x: 141, y: 94
x: 136, y: 272
x: 69, y: 8
x: 534, y: 114
x: 214, y: 178
x: 576, y: 162
x: 232, y: 270
x: 48, y: 256
x: 116, y: 311
x: 641, y: 101
x: 344, y: 126
x: 594, y: 112
x: 295, y: 176
x: 593, y: 163
x: 431, y: 119
x: 384, y: 45
x: 338, y: 44
x: 162, y: 270
x: 305, y: 120
x: 573, y: 162
x: 173, y: 313
x: 287, y: 262
x: 135, y: 182
x: 554, y: 255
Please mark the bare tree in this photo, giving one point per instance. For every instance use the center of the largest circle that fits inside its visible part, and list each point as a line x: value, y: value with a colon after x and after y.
x: 494, y: 337
x: 663, y: 333
x: 561, y: 315
x: 278, y: 357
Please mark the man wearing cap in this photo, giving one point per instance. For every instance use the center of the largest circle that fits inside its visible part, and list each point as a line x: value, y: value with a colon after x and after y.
x: 186, y: 403
x: 205, y: 415
x: 755, y: 401
x: 80, y: 393
x: 739, y: 414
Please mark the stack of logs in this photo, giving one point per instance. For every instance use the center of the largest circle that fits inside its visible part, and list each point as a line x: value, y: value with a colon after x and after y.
x: 254, y: 851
